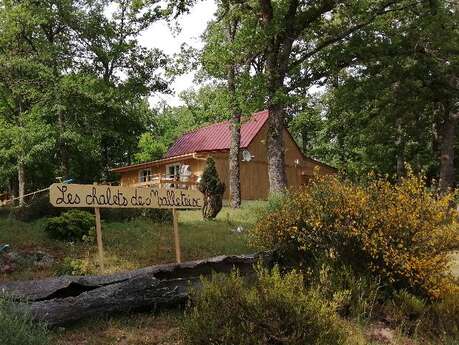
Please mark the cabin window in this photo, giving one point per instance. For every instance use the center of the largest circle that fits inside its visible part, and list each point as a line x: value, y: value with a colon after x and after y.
x: 145, y: 175
x: 173, y: 170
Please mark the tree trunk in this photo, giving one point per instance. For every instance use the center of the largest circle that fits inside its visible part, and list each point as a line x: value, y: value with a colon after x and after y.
x: 447, y: 138
x: 277, y: 54
x: 304, y: 139
x: 60, y: 300
x: 64, y: 164
x: 399, y: 144
x: 276, y: 160
x: 234, y: 162
x: 21, y: 182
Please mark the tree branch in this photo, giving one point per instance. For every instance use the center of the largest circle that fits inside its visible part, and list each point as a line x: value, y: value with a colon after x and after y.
x: 332, y: 40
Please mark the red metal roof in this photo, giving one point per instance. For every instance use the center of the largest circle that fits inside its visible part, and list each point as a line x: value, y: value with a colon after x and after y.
x: 217, y: 136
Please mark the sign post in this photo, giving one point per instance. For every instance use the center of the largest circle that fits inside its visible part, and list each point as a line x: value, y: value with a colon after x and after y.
x: 103, y: 196
x: 178, y: 252
x: 100, y: 245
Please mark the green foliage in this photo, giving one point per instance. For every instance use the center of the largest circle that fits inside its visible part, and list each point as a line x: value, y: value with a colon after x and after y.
x: 38, y: 207
x: 72, y: 225
x: 274, y: 309
x: 356, y: 295
x: 213, y: 189
x: 210, y: 183
x: 74, y: 267
x: 64, y: 110
x: 402, y: 234
x: 437, y: 319
x: 17, y: 327
x: 126, y: 214
x: 394, y: 105
x: 273, y: 204
x: 149, y: 149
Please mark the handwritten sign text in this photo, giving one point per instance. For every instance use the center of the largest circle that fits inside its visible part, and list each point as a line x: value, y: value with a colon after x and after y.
x: 82, y: 195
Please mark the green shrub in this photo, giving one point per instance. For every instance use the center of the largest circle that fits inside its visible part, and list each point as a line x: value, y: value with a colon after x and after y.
x: 402, y: 234
x: 442, y: 317
x: 276, y: 309
x: 5, y: 211
x: 357, y: 296
x: 125, y: 214
x: 74, y: 267
x: 434, y: 319
x: 73, y: 225
x: 17, y: 328
x: 213, y: 189
x: 36, y: 208
x: 273, y: 204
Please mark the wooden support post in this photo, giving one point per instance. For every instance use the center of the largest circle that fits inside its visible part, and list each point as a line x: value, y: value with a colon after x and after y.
x: 100, y: 245
x: 176, y: 235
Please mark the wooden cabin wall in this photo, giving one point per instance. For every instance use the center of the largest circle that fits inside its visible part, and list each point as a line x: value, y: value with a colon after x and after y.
x: 132, y: 177
x: 254, y: 174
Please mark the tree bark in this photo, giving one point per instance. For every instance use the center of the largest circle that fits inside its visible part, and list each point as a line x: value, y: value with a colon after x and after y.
x: 275, y: 152
x: 399, y: 144
x: 58, y: 301
x: 64, y: 164
x: 21, y: 182
x: 277, y: 61
x: 305, y: 139
x: 234, y: 162
x: 447, y: 138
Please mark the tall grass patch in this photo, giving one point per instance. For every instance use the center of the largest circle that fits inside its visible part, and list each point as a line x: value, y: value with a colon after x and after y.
x: 17, y: 328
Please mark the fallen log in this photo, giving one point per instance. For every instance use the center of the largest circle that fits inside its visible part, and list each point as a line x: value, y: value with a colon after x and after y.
x: 60, y: 300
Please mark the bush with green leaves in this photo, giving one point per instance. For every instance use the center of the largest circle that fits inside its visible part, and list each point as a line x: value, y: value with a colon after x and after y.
x: 74, y: 267
x: 433, y: 319
x: 73, y: 225
x: 213, y: 189
x: 274, y: 309
x: 156, y: 215
x: 17, y: 328
x: 34, y: 209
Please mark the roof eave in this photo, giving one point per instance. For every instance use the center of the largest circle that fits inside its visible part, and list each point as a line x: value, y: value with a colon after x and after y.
x: 151, y: 163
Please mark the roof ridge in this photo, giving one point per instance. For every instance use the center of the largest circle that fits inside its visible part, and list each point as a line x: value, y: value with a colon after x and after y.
x: 217, y: 136
x: 222, y: 122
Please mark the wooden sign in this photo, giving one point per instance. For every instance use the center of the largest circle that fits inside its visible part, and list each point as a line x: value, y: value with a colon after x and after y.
x: 82, y: 195
x: 102, y: 196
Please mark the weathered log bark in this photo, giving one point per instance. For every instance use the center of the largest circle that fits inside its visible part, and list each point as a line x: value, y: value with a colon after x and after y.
x: 60, y: 300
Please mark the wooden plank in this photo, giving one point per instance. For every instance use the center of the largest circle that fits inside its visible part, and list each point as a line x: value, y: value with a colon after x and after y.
x: 100, y: 245
x: 178, y: 252
x: 90, y: 196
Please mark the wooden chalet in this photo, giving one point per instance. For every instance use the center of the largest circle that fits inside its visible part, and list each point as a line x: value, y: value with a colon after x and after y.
x: 185, y: 160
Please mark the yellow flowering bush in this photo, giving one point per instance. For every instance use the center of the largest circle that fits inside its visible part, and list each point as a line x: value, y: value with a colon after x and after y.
x: 401, y: 233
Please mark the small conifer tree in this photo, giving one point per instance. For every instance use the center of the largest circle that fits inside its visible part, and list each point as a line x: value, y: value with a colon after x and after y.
x: 213, y: 189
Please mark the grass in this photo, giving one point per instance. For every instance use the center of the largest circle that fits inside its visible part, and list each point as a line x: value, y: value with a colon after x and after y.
x: 130, y: 245
x: 129, y: 329
x: 137, y: 243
